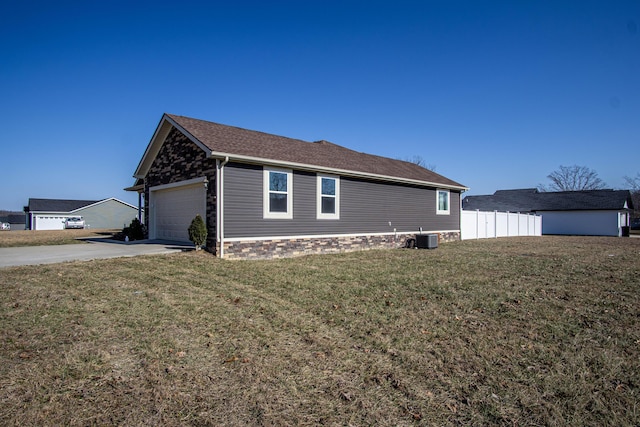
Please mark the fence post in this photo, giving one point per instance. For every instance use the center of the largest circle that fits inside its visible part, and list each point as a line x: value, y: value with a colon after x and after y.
x: 486, y: 225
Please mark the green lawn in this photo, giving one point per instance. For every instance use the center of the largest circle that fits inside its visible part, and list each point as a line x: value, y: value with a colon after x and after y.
x: 519, y: 331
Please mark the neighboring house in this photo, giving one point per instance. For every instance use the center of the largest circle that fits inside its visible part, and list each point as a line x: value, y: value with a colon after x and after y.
x: 266, y: 196
x: 15, y: 220
x: 50, y: 214
x: 589, y: 212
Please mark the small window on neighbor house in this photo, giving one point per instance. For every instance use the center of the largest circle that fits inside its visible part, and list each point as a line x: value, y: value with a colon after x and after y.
x: 328, y: 197
x: 442, y: 202
x: 278, y: 193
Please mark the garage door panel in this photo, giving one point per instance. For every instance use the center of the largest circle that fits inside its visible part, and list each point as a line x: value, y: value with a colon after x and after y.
x: 175, y: 208
x: 49, y: 223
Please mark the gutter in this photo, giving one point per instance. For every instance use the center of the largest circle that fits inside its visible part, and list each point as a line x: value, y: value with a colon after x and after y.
x: 220, y: 203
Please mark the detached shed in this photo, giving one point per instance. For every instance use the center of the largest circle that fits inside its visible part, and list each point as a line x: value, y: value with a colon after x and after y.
x: 587, y: 213
x: 50, y: 214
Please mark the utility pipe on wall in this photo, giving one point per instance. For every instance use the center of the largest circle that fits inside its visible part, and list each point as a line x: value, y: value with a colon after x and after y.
x: 220, y: 202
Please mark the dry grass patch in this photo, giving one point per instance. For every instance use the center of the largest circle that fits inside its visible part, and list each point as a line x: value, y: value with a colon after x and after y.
x: 531, y: 331
x: 48, y: 237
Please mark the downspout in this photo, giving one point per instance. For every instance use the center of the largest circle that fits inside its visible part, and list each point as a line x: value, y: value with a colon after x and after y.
x: 220, y: 203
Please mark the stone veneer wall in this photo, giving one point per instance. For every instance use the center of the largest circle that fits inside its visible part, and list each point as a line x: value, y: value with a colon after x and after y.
x: 450, y: 236
x: 283, y: 248
x: 180, y: 159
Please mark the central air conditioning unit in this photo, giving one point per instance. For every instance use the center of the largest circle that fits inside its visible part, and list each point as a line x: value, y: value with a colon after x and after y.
x: 426, y: 241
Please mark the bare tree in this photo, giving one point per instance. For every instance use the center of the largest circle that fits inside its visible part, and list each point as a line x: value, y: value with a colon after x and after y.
x: 633, y: 183
x: 418, y: 160
x: 634, y: 188
x: 573, y: 178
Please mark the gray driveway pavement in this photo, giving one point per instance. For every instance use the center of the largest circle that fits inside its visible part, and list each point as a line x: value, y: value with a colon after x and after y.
x: 94, y: 249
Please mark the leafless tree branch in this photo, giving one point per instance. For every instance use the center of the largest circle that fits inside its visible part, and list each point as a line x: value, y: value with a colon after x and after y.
x: 573, y: 178
x: 634, y: 187
x: 418, y: 160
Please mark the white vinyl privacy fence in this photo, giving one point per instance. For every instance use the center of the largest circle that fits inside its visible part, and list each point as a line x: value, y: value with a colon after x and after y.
x: 483, y: 225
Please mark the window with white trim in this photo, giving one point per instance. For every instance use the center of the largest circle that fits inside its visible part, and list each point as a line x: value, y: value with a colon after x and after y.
x: 328, y: 197
x: 278, y: 193
x: 442, y: 202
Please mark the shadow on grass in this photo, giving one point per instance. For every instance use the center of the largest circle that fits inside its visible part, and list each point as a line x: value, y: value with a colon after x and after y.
x: 185, y: 247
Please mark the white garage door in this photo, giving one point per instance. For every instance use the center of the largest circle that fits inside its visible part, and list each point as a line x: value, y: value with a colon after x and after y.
x: 46, y: 222
x: 175, y: 208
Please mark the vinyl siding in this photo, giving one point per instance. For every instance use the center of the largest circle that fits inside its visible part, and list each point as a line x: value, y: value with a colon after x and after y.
x: 366, y: 207
x: 581, y: 223
x: 110, y: 214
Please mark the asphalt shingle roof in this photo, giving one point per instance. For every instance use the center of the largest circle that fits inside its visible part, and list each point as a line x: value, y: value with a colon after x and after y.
x: 13, y: 217
x: 243, y: 142
x: 56, y: 205
x: 531, y: 200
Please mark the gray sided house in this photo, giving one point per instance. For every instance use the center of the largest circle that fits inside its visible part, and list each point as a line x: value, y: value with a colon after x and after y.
x: 14, y: 219
x: 588, y: 213
x: 265, y: 196
x: 50, y: 214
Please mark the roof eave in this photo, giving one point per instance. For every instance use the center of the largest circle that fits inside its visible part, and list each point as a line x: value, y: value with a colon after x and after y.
x: 581, y: 209
x: 49, y: 212
x: 137, y: 188
x: 342, y: 172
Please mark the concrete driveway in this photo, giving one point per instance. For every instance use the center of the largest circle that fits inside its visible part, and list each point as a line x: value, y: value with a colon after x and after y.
x: 94, y: 249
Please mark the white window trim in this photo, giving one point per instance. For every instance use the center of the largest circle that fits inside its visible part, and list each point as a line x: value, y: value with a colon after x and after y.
x: 447, y: 211
x: 265, y: 197
x: 319, y: 214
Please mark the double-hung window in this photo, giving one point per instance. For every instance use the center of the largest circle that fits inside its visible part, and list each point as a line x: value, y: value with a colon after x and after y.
x: 278, y: 193
x: 442, y: 202
x: 328, y: 197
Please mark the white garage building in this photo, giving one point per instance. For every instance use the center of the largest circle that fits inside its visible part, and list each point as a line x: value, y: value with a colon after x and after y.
x: 580, y: 213
x: 50, y: 214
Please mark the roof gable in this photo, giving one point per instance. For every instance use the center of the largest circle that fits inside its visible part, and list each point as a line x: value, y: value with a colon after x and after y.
x: 252, y: 146
x: 531, y: 200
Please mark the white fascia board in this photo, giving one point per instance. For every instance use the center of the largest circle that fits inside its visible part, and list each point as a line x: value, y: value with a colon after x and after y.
x: 159, y: 136
x: 192, y: 181
x: 542, y: 212
x: 162, y: 130
x: 50, y: 212
x: 341, y: 172
x: 135, y: 188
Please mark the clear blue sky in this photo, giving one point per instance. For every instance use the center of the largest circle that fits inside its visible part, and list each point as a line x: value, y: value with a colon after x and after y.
x: 495, y: 94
